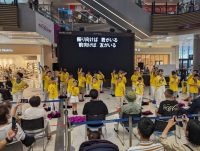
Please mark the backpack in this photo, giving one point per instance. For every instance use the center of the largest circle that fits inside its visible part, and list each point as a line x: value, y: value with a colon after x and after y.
x: 98, y: 145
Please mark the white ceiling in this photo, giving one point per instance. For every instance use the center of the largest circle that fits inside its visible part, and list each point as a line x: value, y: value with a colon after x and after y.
x: 18, y: 37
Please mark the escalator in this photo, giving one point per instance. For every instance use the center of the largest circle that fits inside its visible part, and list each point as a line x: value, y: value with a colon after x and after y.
x: 123, y: 14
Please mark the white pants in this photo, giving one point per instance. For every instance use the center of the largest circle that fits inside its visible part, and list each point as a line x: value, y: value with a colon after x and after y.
x: 159, y: 95
x: 88, y: 88
x: 54, y: 105
x: 17, y: 96
x: 63, y: 89
x: 139, y: 99
x: 133, y: 88
x: 153, y: 89
x: 112, y: 89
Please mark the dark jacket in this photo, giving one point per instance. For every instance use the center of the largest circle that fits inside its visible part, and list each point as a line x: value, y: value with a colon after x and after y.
x: 98, y: 145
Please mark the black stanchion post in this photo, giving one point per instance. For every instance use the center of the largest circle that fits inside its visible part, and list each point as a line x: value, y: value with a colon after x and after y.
x: 130, y: 120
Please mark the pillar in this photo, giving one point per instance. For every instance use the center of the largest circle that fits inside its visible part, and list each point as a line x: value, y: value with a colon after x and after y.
x: 196, y: 53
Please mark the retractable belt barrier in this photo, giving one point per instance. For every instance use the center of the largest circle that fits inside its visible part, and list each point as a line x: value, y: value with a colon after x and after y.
x: 50, y: 101
x: 126, y: 119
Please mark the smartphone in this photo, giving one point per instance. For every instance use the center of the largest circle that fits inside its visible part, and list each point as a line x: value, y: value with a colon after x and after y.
x: 14, y: 123
x: 24, y: 100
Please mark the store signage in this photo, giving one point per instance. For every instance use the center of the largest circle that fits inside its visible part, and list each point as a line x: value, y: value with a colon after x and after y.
x: 4, y: 50
x: 97, y: 42
x: 45, y: 27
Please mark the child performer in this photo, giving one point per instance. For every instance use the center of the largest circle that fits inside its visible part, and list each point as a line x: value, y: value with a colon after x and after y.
x: 114, y: 77
x: 194, y: 85
x: 153, y: 76
x: 70, y: 82
x: 18, y: 87
x: 63, y: 85
x: 120, y: 90
x: 53, y: 94
x: 100, y: 77
x: 81, y: 84
x: 139, y: 90
x: 88, y: 83
x: 160, y: 87
x: 173, y: 83
x: 134, y: 78
x: 47, y: 79
x: 74, y: 99
x: 96, y: 84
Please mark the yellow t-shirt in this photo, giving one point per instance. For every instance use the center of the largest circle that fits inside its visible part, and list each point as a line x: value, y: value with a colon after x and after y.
x: 152, y: 80
x: 173, y: 83
x: 53, y: 91
x: 88, y: 79
x: 63, y: 77
x: 100, y: 77
x: 46, y: 82
x: 160, y: 81
x: 18, y: 87
x: 96, y: 86
x: 190, y: 76
x: 70, y: 84
x: 193, y: 89
x: 114, y: 77
x: 134, y: 78
x: 139, y: 88
x: 75, y: 91
x: 81, y: 81
x: 119, y: 89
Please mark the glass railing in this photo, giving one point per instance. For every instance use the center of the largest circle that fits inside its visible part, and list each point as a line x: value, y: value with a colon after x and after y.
x: 12, y: 2
x: 183, y: 6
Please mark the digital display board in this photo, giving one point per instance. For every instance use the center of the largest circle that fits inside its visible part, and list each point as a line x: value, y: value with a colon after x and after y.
x: 95, y: 51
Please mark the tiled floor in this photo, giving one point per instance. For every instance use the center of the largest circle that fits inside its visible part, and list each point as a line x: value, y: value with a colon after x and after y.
x: 78, y: 133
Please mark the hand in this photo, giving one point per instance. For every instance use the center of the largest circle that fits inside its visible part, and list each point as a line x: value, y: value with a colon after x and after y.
x: 11, y: 134
x: 185, y: 118
x: 171, y: 122
x: 18, y: 104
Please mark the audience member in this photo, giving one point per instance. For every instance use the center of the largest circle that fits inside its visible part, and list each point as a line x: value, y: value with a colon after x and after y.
x: 145, y: 130
x: 168, y: 107
x: 191, y: 141
x: 5, y: 126
x: 36, y: 111
x: 96, y: 144
x: 132, y: 108
x: 95, y: 106
x: 9, y: 138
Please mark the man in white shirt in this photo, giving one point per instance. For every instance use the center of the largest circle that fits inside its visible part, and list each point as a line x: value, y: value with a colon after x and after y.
x: 145, y: 130
x: 35, y: 112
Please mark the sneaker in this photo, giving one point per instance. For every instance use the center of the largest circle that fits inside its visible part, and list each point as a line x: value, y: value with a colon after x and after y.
x: 69, y: 106
x: 75, y: 113
x: 82, y: 100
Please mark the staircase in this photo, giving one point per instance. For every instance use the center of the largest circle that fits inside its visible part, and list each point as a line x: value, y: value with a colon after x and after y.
x: 9, y: 18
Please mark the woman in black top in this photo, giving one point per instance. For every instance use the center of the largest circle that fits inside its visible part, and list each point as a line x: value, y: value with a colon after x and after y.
x: 95, y: 108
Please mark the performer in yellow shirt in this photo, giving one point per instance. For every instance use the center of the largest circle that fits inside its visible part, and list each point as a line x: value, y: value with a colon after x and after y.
x: 47, y: 79
x: 120, y: 90
x: 88, y: 83
x: 100, y: 77
x: 153, y: 76
x: 74, y: 99
x: 18, y: 87
x: 194, y: 85
x: 96, y: 84
x: 139, y: 90
x: 174, y: 82
x: 114, y: 77
x: 70, y: 82
x: 134, y: 78
x: 53, y: 94
x: 63, y: 84
x: 160, y: 87
x: 81, y: 84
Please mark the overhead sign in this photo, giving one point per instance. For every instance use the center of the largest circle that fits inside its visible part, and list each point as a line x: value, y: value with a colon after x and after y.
x: 45, y: 27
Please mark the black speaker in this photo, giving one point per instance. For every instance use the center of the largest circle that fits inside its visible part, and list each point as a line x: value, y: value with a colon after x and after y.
x: 55, y: 66
x: 129, y: 31
x: 141, y: 65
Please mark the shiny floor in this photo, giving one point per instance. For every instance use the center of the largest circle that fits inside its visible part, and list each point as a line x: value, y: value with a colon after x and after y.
x: 78, y: 133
